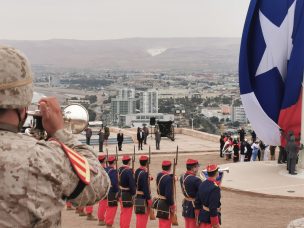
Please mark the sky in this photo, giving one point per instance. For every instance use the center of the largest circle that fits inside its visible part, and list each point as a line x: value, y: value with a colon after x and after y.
x: 117, y: 19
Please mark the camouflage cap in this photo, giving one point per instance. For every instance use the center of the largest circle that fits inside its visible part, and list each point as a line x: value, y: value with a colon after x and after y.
x: 16, y: 89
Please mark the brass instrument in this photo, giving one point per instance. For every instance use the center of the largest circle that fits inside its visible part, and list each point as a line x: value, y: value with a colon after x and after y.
x: 75, y: 116
x: 203, y: 177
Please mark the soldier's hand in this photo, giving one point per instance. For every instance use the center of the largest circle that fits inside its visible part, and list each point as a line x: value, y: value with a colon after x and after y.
x: 52, y: 119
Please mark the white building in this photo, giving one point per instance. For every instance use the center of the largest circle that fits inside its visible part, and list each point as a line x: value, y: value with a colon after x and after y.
x: 120, y: 106
x: 210, y: 112
x: 149, y: 101
x: 238, y: 114
x: 137, y: 120
x: 126, y: 93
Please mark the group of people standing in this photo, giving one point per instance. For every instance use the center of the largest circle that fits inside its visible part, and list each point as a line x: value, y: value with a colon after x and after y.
x: 131, y: 189
x: 238, y: 148
x: 104, y: 133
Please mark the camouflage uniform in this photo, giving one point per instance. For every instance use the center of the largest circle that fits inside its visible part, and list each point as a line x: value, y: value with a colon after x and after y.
x: 37, y: 175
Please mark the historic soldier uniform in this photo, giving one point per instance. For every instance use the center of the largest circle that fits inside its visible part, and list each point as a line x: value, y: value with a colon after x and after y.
x: 89, y: 209
x: 208, y: 200
x: 143, y: 200
x: 164, y: 202
x: 112, y: 199
x: 189, y: 184
x: 38, y: 176
x: 128, y: 189
x: 102, y: 203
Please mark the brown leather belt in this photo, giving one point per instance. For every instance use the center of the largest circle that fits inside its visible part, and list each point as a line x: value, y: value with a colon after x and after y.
x: 189, y: 199
x: 124, y: 189
x: 161, y: 197
x: 207, y: 209
x: 139, y: 193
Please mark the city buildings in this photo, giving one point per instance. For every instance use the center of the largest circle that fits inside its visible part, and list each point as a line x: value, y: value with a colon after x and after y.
x: 137, y: 120
x: 149, y: 101
x: 238, y: 114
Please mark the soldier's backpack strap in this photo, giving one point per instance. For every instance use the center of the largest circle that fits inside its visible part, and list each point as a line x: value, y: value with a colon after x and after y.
x: 184, y: 187
x: 80, y: 167
x: 158, y: 191
x: 138, y: 179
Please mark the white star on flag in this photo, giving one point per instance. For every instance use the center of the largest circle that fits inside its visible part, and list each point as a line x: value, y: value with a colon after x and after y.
x: 278, y: 43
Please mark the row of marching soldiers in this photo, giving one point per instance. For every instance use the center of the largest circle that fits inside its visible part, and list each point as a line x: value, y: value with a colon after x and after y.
x: 201, y: 204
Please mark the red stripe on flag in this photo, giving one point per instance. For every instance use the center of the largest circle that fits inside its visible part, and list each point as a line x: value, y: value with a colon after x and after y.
x: 290, y: 119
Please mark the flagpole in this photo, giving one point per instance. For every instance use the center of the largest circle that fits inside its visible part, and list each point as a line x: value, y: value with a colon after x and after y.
x: 301, y: 154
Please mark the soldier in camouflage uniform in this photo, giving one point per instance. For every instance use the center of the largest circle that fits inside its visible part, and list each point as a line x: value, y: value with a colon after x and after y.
x: 37, y: 176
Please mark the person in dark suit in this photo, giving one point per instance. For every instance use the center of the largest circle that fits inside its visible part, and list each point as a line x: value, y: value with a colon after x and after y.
x: 140, y: 138
x: 222, y: 143
x: 88, y: 132
x: 101, y: 139
x: 146, y: 131
x: 120, y: 139
x: 242, y: 134
x: 157, y: 139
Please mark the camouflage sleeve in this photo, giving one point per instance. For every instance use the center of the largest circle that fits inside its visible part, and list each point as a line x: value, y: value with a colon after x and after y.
x: 100, y: 182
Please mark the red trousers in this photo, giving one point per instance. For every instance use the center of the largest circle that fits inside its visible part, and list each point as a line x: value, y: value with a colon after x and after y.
x: 164, y: 223
x: 125, y: 216
x: 190, y: 223
x: 103, y: 204
x: 205, y: 225
x: 68, y: 204
x: 89, y: 209
x: 110, y: 215
x: 142, y: 219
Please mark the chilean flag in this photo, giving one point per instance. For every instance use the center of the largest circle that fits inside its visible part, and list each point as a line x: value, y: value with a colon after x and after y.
x: 271, y: 67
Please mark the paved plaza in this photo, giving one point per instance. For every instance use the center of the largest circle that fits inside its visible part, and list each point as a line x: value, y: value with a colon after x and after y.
x: 185, y: 143
x: 267, y: 177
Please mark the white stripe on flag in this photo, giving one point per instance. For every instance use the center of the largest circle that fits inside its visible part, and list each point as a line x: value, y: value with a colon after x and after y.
x: 266, y: 129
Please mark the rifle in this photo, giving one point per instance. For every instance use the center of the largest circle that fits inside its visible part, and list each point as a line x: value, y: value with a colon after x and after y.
x: 173, y: 214
x: 152, y: 215
x: 107, y: 157
x: 133, y: 160
x: 117, y: 164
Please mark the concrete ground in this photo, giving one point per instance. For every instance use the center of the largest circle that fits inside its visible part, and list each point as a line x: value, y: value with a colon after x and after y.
x: 185, y: 143
x: 239, y: 209
x: 267, y: 177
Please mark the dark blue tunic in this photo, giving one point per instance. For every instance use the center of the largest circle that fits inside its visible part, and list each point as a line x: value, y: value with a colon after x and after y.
x: 127, y: 179
x: 189, y: 185
x: 112, y: 173
x: 141, y: 180
x: 165, y: 187
x: 209, y: 195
